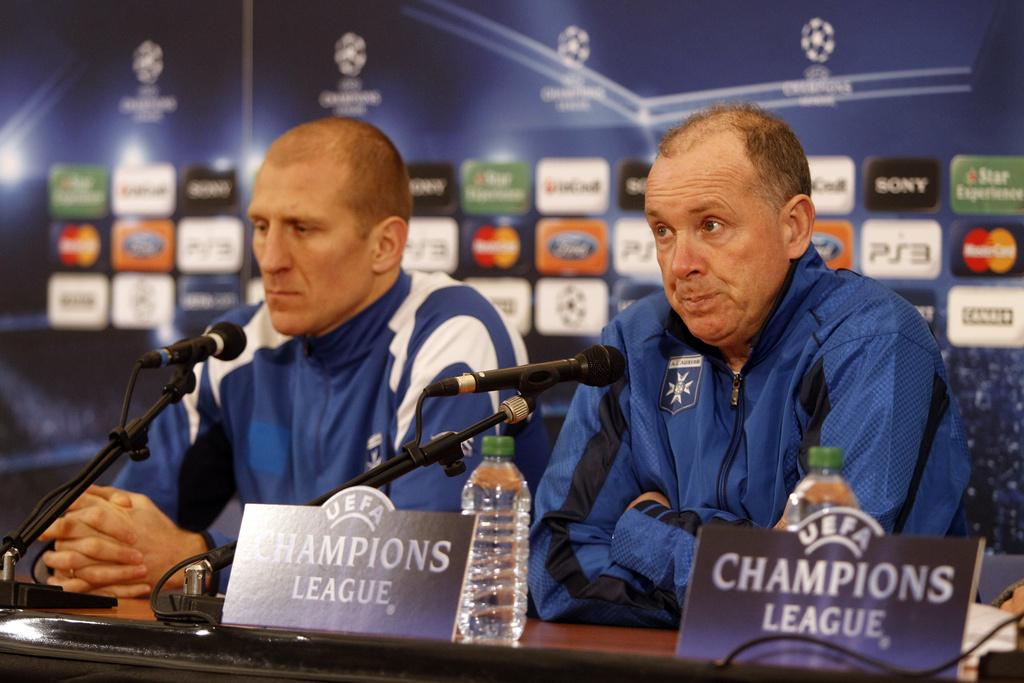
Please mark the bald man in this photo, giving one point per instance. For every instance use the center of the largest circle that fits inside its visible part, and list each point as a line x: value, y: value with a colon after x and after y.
x: 337, y: 356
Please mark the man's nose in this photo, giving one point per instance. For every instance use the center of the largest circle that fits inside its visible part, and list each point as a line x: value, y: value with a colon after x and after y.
x: 688, y: 256
x: 271, y: 250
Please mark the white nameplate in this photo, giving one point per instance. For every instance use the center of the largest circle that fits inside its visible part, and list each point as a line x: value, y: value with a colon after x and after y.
x: 355, y: 564
x: 900, y: 599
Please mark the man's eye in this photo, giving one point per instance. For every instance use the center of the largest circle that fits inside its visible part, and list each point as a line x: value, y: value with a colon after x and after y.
x: 711, y: 225
x: 259, y: 227
x: 661, y: 232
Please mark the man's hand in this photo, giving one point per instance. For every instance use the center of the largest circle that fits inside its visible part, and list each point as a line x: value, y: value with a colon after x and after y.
x: 650, y: 495
x: 117, y: 543
x: 1015, y: 604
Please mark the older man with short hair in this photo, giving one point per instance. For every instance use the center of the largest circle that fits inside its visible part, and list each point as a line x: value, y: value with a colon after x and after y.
x: 755, y: 352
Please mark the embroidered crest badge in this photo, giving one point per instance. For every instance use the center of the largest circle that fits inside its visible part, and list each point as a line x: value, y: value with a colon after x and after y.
x: 681, y: 383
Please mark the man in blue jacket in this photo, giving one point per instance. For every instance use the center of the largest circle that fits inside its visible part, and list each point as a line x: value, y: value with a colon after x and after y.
x: 337, y: 356
x: 754, y: 353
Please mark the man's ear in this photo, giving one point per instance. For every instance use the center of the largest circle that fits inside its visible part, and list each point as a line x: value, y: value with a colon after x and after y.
x: 388, y: 237
x: 797, y: 220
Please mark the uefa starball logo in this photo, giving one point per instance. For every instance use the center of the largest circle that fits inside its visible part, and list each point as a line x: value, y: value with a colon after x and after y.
x: 574, y: 46
x: 349, y: 98
x: 818, y: 40
x: 350, y: 54
x: 148, y: 62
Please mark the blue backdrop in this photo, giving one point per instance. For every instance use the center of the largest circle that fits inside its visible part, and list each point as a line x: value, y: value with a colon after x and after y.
x: 92, y: 91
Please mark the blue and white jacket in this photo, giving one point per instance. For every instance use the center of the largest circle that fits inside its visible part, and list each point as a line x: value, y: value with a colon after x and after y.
x: 841, y: 361
x: 292, y: 418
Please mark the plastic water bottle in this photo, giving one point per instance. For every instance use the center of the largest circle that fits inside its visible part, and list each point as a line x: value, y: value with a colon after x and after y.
x: 494, y: 595
x: 822, y: 488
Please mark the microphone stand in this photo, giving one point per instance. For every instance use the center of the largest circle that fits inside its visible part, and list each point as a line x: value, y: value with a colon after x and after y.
x: 446, y: 449
x: 131, y: 440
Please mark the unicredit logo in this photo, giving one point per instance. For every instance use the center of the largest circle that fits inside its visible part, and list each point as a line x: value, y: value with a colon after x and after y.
x: 572, y: 186
x: 143, y: 191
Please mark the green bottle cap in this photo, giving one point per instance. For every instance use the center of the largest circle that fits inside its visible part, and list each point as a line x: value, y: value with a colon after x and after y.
x: 499, y: 446
x: 825, y: 457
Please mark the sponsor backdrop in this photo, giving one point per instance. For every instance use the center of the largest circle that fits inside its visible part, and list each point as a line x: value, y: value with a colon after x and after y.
x: 129, y: 134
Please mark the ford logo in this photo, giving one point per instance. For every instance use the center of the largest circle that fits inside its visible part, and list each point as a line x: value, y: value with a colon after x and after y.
x: 143, y: 245
x: 828, y: 246
x: 572, y: 246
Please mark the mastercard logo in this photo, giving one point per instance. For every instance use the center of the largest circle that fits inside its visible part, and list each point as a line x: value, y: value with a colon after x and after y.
x: 78, y: 245
x: 989, y: 250
x: 495, y: 246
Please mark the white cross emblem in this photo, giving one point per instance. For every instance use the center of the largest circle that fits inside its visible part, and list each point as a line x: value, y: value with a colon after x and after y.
x: 679, y: 387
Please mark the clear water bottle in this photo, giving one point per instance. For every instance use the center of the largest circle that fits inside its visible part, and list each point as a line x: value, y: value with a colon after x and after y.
x: 822, y: 488
x: 494, y: 595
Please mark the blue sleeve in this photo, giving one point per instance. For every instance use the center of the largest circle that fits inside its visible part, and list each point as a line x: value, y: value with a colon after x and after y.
x: 885, y: 401
x: 590, y: 559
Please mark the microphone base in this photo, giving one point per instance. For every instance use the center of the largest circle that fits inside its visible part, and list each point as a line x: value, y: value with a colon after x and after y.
x: 19, y: 595
x: 996, y: 665
x: 176, y: 605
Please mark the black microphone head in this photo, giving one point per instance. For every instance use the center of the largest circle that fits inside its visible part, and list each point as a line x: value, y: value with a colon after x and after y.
x: 600, y: 365
x: 233, y: 337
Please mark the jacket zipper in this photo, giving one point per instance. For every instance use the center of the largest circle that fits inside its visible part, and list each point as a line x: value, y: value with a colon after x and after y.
x: 736, y: 402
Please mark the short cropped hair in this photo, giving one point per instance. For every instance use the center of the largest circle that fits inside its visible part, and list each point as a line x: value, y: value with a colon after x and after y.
x: 374, y: 184
x: 772, y: 147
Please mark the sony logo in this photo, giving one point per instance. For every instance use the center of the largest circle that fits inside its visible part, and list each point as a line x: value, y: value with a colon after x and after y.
x: 901, y: 185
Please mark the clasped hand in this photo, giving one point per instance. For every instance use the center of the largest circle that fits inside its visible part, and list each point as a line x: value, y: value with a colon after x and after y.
x: 116, y: 542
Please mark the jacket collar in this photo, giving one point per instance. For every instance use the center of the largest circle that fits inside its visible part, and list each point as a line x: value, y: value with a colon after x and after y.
x: 355, y: 338
x: 797, y: 293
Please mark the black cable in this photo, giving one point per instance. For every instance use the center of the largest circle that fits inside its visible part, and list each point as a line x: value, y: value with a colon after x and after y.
x: 877, y: 663
x: 127, y: 401
x: 419, y: 418
x: 173, y: 614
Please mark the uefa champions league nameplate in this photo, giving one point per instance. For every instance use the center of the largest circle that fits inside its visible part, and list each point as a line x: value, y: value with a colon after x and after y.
x: 355, y: 564
x: 899, y: 599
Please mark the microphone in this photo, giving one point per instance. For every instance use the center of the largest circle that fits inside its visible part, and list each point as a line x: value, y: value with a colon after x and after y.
x: 597, y: 366
x: 224, y: 340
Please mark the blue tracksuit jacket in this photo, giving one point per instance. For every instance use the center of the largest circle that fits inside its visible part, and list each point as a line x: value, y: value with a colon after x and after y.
x: 841, y: 361
x: 292, y: 418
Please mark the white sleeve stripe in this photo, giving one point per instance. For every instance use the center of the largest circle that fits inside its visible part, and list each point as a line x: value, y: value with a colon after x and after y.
x: 461, y: 339
x: 402, y: 322
x: 191, y: 404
